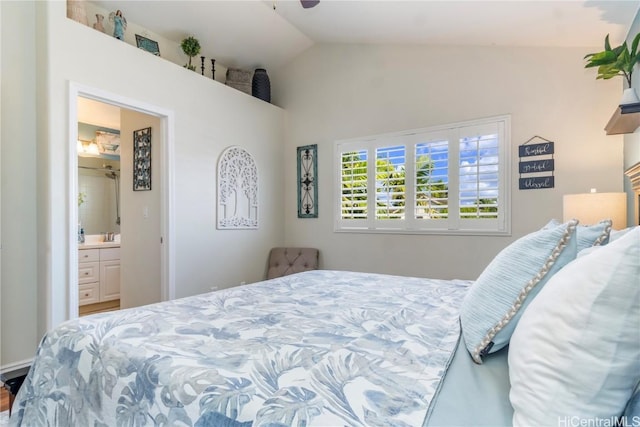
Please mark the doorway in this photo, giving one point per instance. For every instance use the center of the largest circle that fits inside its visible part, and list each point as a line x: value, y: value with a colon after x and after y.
x: 145, y: 240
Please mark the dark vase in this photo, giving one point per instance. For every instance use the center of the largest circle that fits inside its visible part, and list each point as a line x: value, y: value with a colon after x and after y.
x: 260, y: 85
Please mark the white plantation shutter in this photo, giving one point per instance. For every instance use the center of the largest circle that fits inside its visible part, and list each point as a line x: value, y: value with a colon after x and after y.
x: 481, y: 180
x: 390, y: 182
x: 451, y: 179
x: 353, y: 185
x: 430, y: 178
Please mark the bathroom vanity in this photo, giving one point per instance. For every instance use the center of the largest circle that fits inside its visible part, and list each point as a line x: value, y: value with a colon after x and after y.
x: 98, y: 272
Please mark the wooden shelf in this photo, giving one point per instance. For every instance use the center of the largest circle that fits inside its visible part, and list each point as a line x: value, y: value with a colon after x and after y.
x: 626, y: 119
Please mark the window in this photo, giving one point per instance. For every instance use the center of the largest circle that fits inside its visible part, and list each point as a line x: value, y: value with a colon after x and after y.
x: 450, y: 179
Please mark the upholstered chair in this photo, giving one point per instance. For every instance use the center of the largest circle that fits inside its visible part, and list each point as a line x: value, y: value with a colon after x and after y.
x: 284, y: 261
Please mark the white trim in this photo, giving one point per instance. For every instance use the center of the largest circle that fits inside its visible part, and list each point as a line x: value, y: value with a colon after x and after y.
x: 14, y: 366
x: 167, y: 252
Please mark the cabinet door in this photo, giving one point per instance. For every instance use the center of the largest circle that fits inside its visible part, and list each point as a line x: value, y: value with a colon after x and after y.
x: 109, y: 280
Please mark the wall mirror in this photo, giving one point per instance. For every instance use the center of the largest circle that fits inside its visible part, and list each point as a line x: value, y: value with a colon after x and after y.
x: 98, y: 179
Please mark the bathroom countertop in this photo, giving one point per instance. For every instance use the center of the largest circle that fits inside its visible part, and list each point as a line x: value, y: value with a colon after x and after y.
x: 98, y: 245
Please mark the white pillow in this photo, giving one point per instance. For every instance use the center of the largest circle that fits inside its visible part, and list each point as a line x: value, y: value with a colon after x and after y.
x: 495, y: 302
x: 575, y: 355
x: 616, y: 234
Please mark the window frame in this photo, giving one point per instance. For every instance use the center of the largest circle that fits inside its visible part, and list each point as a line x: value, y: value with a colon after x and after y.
x: 453, y: 134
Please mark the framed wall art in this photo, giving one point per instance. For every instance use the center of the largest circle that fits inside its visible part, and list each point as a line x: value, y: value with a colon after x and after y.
x: 307, y: 181
x: 142, y: 159
x: 147, y: 44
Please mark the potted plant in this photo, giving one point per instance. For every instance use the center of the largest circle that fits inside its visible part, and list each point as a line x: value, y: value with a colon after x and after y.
x: 190, y: 47
x: 617, y: 61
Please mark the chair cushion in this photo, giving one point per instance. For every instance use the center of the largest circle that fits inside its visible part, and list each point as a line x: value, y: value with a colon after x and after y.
x: 284, y: 261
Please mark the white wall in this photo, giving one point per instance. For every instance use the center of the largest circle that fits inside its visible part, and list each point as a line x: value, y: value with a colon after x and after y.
x: 333, y: 92
x: 18, y: 134
x: 140, y: 254
x: 208, y: 117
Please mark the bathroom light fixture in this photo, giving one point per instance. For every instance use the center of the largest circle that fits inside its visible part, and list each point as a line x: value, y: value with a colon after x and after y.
x: 93, y: 148
x: 87, y: 147
x: 591, y: 208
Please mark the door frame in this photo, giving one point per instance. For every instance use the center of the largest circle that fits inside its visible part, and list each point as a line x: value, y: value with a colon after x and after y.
x: 166, y: 144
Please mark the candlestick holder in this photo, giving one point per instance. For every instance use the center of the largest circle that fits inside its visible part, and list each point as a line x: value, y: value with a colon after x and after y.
x: 213, y: 69
x: 202, y: 65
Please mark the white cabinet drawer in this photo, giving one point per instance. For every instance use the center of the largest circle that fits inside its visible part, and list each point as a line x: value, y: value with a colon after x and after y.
x: 89, y: 293
x: 88, y: 255
x: 109, y: 254
x: 88, y: 272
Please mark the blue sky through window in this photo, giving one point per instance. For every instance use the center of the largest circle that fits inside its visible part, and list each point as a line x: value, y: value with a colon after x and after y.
x: 478, y: 164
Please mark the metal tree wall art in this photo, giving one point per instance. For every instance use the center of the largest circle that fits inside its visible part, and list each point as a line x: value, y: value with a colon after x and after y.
x: 307, y: 181
x: 237, y: 190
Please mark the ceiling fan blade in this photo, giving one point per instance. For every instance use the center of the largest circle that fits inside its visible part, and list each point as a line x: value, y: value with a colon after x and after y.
x: 309, y: 3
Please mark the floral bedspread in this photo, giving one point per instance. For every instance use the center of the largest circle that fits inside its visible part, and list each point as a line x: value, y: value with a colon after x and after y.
x: 320, y: 348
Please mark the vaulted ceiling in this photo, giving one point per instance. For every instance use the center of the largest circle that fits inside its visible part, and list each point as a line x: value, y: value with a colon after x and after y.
x: 269, y: 33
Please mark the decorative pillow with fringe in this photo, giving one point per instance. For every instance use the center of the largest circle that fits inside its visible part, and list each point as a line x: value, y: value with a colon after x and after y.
x: 589, y: 235
x: 495, y: 302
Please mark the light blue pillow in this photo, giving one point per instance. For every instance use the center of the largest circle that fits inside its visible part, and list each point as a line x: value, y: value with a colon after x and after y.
x: 495, y: 302
x: 589, y: 235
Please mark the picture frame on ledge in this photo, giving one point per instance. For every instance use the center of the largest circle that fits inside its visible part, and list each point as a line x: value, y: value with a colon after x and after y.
x: 308, y: 181
x: 147, y: 44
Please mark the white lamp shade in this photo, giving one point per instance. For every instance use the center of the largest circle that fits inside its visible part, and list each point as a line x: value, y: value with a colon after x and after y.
x: 591, y: 208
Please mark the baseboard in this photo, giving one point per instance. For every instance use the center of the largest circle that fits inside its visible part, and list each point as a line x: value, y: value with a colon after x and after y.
x: 10, y: 367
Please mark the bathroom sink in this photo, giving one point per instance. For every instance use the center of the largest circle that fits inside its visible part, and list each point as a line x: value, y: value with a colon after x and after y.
x: 92, y: 241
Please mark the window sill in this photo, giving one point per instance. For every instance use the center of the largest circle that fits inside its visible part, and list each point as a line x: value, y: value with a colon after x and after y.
x: 434, y: 232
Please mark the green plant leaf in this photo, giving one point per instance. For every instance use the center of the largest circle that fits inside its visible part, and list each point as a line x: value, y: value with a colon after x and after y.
x: 634, y: 45
x: 601, y: 58
x: 608, y: 71
x: 635, y: 55
x: 607, y: 45
x: 616, y: 61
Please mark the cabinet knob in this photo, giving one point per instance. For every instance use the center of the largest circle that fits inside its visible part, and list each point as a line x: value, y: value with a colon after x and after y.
x: 86, y: 295
x: 86, y: 273
x: 85, y: 256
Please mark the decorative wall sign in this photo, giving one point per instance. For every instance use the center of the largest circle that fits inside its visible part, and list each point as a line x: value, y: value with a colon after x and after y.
x: 539, y: 170
x: 534, y: 166
x: 147, y: 44
x: 237, y: 190
x: 537, y: 182
x: 142, y: 159
x: 536, y: 149
x: 307, y: 181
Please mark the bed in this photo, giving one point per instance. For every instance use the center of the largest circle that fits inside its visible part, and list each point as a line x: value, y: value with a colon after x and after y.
x: 317, y: 348
x: 336, y: 348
